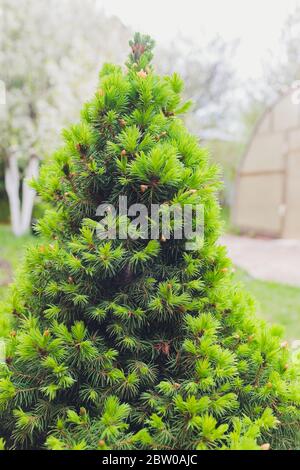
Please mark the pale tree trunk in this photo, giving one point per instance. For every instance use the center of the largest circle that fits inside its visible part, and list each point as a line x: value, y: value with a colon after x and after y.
x: 28, y: 194
x: 20, y: 211
x: 12, y: 186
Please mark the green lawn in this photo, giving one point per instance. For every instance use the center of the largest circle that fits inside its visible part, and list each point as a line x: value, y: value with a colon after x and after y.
x: 12, y: 250
x: 276, y: 303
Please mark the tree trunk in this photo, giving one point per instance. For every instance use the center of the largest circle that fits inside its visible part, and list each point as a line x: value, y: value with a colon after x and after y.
x: 12, y: 186
x: 20, y: 211
x: 28, y: 194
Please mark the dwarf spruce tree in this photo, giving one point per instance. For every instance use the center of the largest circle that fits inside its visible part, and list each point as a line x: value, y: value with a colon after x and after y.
x: 137, y: 343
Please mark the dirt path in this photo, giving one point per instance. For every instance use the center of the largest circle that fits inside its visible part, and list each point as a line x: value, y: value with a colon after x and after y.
x: 271, y: 260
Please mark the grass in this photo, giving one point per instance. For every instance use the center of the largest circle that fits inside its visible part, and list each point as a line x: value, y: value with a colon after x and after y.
x: 277, y: 303
x: 12, y: 250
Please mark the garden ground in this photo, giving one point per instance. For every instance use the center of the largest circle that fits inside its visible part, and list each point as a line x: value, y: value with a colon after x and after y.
x: 266, y: 259
x: 276, y: 302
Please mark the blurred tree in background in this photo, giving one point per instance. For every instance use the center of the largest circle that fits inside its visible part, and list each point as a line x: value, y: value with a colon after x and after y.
x: 211, y: 84
x: 283, y: 69
x: 281, y: 72
x: 43, y: 57
x: 49, y: 65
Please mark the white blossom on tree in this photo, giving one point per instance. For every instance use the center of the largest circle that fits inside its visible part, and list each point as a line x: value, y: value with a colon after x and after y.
x: 50, y: 53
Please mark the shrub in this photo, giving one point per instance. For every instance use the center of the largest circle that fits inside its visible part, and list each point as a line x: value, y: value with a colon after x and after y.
x: 134, y: 343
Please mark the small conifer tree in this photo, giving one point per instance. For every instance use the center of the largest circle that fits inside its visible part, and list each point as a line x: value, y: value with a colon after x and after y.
x: 137, y: 343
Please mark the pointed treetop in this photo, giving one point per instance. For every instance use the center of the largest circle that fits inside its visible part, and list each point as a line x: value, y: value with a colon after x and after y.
x: 141, y: 51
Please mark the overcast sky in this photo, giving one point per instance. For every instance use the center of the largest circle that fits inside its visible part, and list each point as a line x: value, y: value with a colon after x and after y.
x: 256, y: 23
